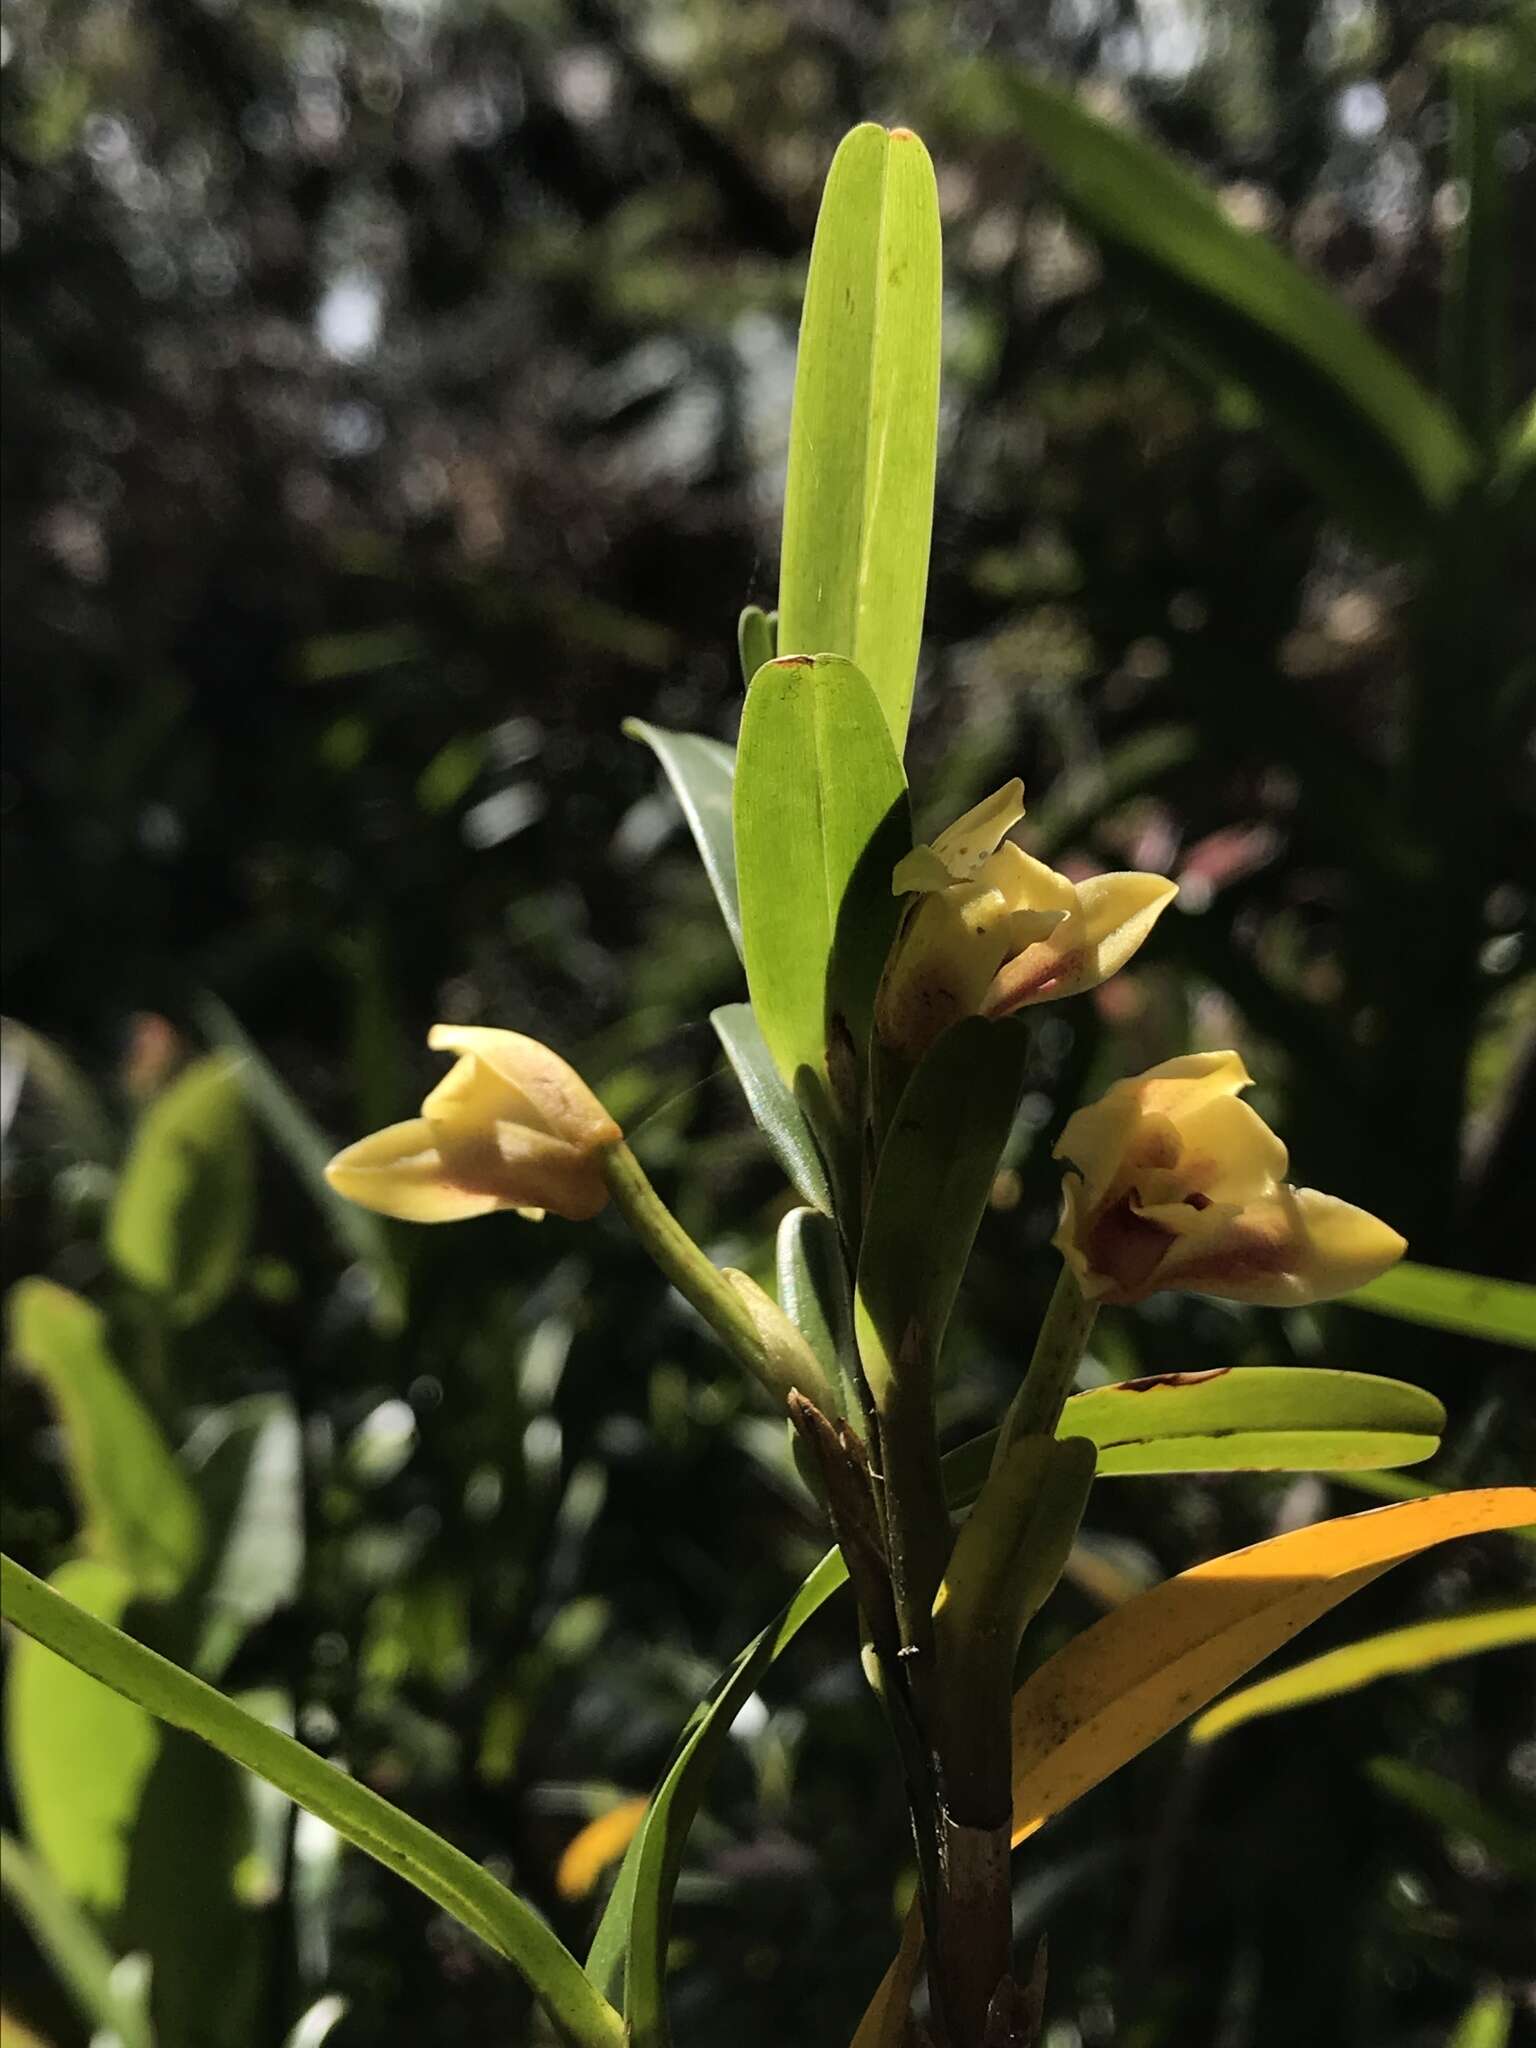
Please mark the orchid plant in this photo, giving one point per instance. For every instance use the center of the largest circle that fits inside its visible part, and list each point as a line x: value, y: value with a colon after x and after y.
x: 883, y: 1053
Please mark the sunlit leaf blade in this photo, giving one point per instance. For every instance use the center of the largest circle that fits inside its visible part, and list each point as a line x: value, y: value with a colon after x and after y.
x: 357, y: 1231
x: 1147, y: 1666
x: 67, y: 1938
x: 629, y: 1952
x: 447, y: 1876
x: 1353, y: 1665
x: 1503, y: 1311
x: 1255, y: 1418
x: 1388, y: 452
x: 317, y: 2024
x: 181, y: 1215
x: 1486, y: 2023
x: 858, y: 503
x: 137, y: 1508
x: 701, y: 771
x: 778, y: 1115
x: 78, y: 1818
x: 821, y: 820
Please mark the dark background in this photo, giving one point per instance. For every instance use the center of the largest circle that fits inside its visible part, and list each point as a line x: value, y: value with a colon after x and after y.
x: 395, y: 399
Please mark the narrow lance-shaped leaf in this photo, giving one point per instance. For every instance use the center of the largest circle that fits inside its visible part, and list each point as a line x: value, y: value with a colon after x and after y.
x: 779, y: 1117
x: 701, y: 772
x: 821, y: 821
x: 1141, y: 1670
x: 1477, y: 255
x: 137, y: 1508
x: 814, y: 1294
x: 629, y: 1951
x: 1245, y: 1419
x: 1353, y: 1665
x: 858, y: 500
x: 1387, y: 451
x: 447, y: 1876
x: 1503, y: 1311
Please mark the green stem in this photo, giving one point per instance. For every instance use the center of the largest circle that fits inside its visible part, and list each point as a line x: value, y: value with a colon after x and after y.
x: 447, y: 1876
x: 697, y: 1279
x: 1036, y: 1407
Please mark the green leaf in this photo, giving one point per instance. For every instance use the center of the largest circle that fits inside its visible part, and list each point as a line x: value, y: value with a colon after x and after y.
x: 631, y: 1941
x: 447, y: 1876
x: 936, y: 1169
x: 1486, y: 2023
x: 778, y: 1115
x: 181, y: 1216
x: 858, y: 498
x: 756, y: 640
x: 1503, y: 1311
x: 701, y: 772
x: 1353, y: 1665
x: 248, y: 1460
x: 814, y: 1294
x: 191, y: 1836
x: 1255, y: 1418
x: 1455, y: 1811
x: 82, y: 1122
x: 78, y: 1819
x: 1477, y: 254
x: 1370, y: 436
x: 359, y: 1233
x: 821, y: 821
x: 137, y: 1509
x: 76, y: 1953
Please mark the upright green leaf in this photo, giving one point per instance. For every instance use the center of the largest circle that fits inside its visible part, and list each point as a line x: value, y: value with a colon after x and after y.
x: 357, y: 1231
x: 1387, y: 451
x: 1503, y: 1311
x: 756, y: 640
x: 821, y: 821
x: 630, y: 1947
x: 137, y: 1508
x: 445, y: 1874
x: 248, y: 1458
x: 936, y: 1170
x: 182, y: 1212
x: 1394, y: 1651
x: 701, y: 772
x: 77, y: 1754
x: 779, y: 1117
x: 858, y: 501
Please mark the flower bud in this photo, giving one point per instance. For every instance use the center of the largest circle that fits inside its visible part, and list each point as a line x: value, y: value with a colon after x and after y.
x: 510, y: 1126
x: 1178, y: 1185
x: 990, y: 929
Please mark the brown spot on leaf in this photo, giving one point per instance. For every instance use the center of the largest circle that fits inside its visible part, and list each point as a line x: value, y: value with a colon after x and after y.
x: 1173, y: 1379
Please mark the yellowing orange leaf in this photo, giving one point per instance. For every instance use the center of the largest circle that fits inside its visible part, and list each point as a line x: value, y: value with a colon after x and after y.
x: 1118, y: 1687
x: 601, y: 1842
x: 884, y: 2024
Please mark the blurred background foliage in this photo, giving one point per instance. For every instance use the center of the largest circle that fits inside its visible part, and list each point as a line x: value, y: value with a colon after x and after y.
x: 395, y: 399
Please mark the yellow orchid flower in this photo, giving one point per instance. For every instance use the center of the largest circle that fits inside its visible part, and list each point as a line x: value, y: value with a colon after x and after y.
x: 510, y: 1126
x: 992, y: 929
x: 1178, y: 1185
